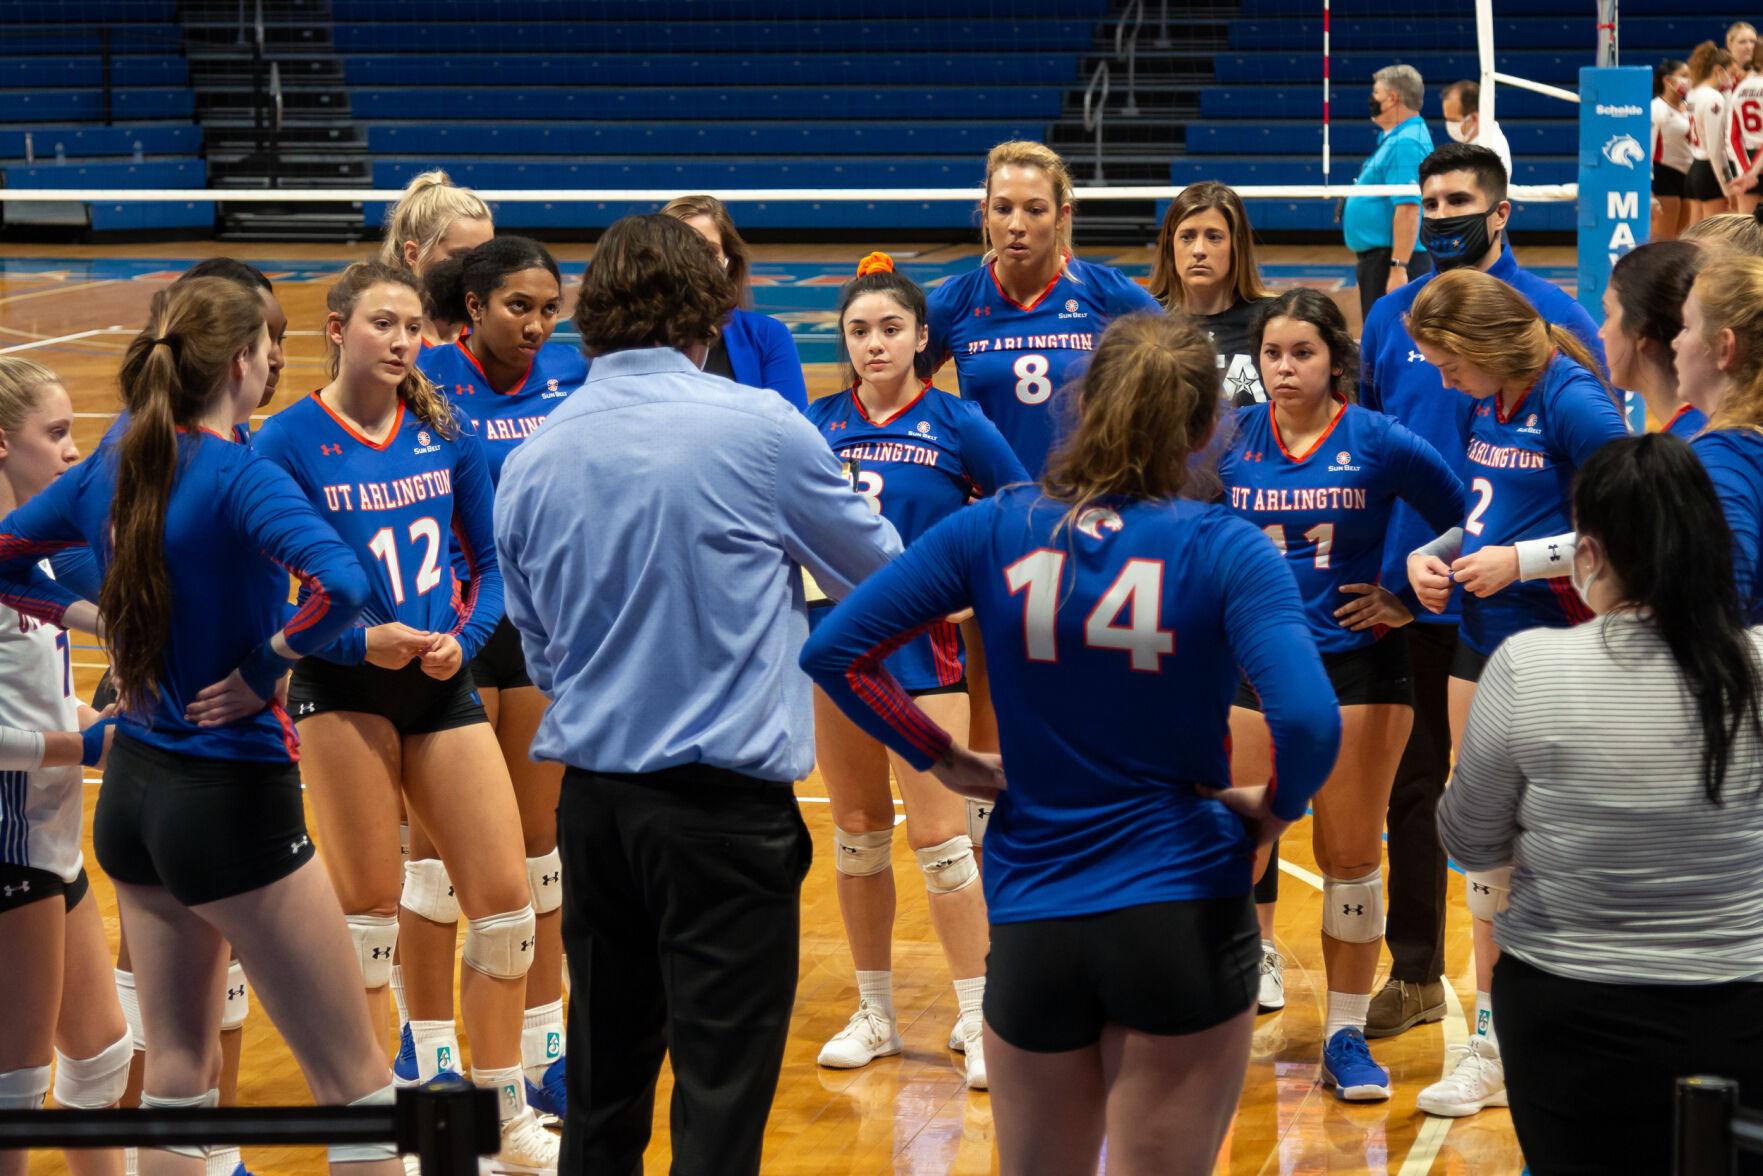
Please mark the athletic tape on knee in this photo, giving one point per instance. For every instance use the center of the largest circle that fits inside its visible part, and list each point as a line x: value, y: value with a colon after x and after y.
x: 545, y: 876
x: 979, y: 815
x: 154, y: 1101
x: 950, y: 866
x: 238, y: 998
x: 501, y: 945
x: 23, y: 1090
x: 428, y: 891
x: 366, y: 1153
x: 91, y: 1084
x: 1490, y: 891
x: 376, y: 938
x: 1352, y: 908
x: 131, y: 1007
x: 859, y: 855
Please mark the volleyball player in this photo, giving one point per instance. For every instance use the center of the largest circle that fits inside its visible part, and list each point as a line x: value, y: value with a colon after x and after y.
x: 62, y: 1000
x: 199, y: 820
x: 434, y: 220
x: 1720, y: 371
x: 1205, y: 267
x: 1320, y: 477
x: 1121, y: 982
x: 916, y: 454
x: 1541, y: 410
x: 1671, y: 146
x: 504, y: 376
x: 1744, y: 139
x: 1643, y: 315
x: 1711, y: 76
x: 391, y: 710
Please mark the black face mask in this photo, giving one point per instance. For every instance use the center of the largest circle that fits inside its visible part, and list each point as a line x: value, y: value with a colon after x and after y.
x: 1453, y: 241
x: 1376, y: 107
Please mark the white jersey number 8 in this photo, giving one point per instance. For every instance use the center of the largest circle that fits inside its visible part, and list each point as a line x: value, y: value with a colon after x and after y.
x: 1032, y: 384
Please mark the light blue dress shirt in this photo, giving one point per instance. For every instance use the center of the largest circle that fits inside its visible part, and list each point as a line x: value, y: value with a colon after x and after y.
x: 651, y: 530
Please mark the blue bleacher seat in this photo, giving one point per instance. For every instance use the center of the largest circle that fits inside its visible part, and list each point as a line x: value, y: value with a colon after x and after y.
x: 441, y: 39
x: 127, y: 102
x: 707, y: 69
x: 967, y: 140
x: 79, y: 142
x: 706, y: 104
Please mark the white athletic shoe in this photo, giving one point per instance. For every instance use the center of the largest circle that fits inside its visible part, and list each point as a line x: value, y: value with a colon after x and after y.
x: 866, y: 1036
x: 957, y: 1042
x: 974, y: 1040
x: 412, y: 1165
x: 1272, y: 995
x: 527, y: 1148
x: 1478, y: 1081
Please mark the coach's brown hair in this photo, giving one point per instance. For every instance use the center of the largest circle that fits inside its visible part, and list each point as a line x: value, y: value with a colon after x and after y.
x: 417, y: 392
x: 734, y: 246
x: 1729, y: 291
x: 653, y: 282
x: 170, y: 374
x: 1245, y: 271
x: 1147, y: 401
x: 1479, y: 318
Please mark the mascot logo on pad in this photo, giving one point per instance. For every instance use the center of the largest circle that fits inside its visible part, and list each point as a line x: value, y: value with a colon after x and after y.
x: 1624, y: 151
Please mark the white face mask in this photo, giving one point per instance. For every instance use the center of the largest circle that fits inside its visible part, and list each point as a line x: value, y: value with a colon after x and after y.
x: 1583, y: 587
x: 1454, y: 128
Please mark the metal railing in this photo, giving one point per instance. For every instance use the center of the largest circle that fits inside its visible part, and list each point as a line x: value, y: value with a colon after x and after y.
x: 1710, y: 1129
x: 1097, y: 93
x: 1135, y: 12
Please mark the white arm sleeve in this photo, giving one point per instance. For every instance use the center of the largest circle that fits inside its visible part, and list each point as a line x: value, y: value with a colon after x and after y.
x: 20, y: 751
x: 1445, y: 547
x: 1546, y: 559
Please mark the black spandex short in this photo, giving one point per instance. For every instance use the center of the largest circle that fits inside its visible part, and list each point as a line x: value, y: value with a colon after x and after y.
x: 413, y: 702
x: 204, y: 829
x: 952, y: 688
x: 1466, y: 663
x: 1375, y: 674
x: 1168, y: 968
x: 1701, y: 183
x: 501, y: 663
x: 20, y: 886
x: 1667, y: 181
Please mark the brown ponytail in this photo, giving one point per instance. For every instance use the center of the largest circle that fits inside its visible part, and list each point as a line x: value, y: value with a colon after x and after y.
x: 417, y: 392
x: 170, y: 375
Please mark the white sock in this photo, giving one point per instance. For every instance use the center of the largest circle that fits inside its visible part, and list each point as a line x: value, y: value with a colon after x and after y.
x: 1484, y: 1021
x: 223, y: 1160
x: 877, y: 988
x: 541, y: 1040
x: 510, y: 1088
x: 971, y: 996
x: 1267, y: 946
x: 131, y: 1161
x: 1346, y: 1010
x: 437, y: 1047
x: 398, y: 997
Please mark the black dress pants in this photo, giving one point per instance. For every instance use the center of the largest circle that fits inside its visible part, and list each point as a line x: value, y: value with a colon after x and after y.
x: 1414, y: 923
x: 1372, y: 271
x: 682, y: 920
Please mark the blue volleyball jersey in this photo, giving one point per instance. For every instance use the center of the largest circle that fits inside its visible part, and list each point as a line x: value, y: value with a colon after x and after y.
x: 119, y: 426
x: 1328, y: 509
x: 1113, y: 642
x: 1013, y: 359
x: 405, y: 506
x: 235, y: 527
x: 503, y: 420
x: 1686, y: 422
x: 1521, y: 465
x: 915, y: 468
x: 1734, y: 461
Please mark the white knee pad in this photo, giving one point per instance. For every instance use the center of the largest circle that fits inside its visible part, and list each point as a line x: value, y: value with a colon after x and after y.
x: 501, y: 945
x: 376, y: 938
x: 861, y: 854
x: 950, y: 866
x: 545, y: 877
x: 131, y: 1006
x: 428, y: 891
x: 154, y: 1101
x: 1352, y: 908
x: 979, y: 815
x: 1490, y: 891
x: 367, y: 1153
x: 238, y: 998
x: 23, y: 1090
x: 91, y: 1084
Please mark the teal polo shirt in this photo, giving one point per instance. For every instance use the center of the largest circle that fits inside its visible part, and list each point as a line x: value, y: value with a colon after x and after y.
x: 1366, y: 219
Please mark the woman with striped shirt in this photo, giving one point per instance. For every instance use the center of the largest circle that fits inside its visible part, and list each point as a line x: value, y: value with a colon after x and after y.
x: 1615, y: 767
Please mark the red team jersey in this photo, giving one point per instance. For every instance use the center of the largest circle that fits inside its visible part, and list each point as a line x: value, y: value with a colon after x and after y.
x: 1744, y: 123
x: 1013, y: 357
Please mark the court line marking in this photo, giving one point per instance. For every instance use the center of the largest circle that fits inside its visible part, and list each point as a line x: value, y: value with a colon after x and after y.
x: 36, y: 343
x: 59, y: 289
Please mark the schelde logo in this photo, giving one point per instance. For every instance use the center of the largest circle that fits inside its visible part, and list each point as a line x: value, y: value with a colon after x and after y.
x: 1624, y: 151
x: 1619, y: 111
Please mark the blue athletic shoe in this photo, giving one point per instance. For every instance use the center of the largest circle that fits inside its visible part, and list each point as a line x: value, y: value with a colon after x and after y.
x: 404, y: 1071
x: 551, y: 1098
x: 1348, y: 1067
x: 242, y: 1170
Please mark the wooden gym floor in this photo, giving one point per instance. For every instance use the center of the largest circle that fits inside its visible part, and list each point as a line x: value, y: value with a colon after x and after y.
x: 74, y: 308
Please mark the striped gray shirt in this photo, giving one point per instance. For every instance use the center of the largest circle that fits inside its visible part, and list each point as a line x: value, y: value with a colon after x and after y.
x: 1581, y: 768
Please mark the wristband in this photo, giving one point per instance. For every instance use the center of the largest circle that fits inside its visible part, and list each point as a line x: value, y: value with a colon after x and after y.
x: 92, y: 742
x: 263, y: 669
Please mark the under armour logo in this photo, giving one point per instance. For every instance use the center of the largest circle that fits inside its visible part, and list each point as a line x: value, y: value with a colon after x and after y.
x: 1415, y: 357
x: 1554, y: 553
x: 381, y: 952
x: 550, y: 879
x: 306, y: 708
x: 526, y: 945
x: 981, y: 310
x: 1352, y: 908
x: 236, y: 993
x: 300, y: 845
x: 331, y: 450
x: 21, y: 888
x: 981, y: 812
x: 1481, y: 889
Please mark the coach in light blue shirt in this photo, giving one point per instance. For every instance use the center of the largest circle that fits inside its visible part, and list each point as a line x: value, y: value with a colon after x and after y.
x: 1382, y: 231
x: 651, y: 532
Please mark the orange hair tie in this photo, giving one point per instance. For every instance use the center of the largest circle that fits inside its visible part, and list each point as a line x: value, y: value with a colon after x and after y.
x: 875, y: 263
